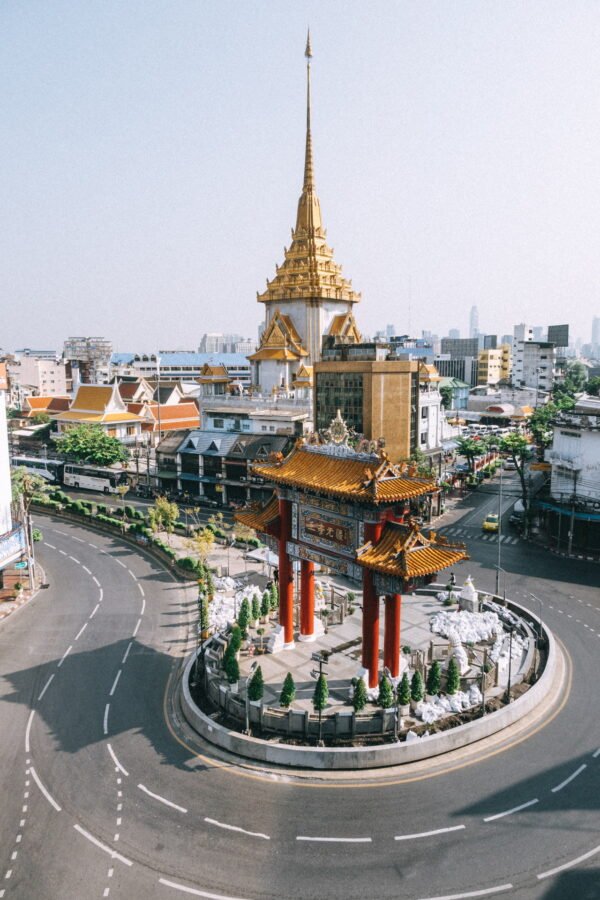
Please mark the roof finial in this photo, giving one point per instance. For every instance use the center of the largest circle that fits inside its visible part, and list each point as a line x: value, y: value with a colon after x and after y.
x: 308, y: 158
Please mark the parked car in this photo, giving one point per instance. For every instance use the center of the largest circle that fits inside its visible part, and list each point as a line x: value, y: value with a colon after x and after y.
x: 491, y: 523
x: 509, y: 465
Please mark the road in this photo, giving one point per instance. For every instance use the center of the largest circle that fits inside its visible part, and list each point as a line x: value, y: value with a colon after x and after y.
x: 103, y: 798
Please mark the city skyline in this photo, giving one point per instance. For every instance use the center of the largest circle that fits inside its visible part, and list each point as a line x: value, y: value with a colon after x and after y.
x: 145, y: 179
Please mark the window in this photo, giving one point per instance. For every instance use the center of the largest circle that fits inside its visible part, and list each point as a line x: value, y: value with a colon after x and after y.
x: 218, y: 423
x: 424, y: 412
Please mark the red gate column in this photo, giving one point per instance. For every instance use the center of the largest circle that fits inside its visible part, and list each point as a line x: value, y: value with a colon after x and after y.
x: 307, y: 601
x: 391, y: 643
x: 286, y: 576
x: 370, y: 623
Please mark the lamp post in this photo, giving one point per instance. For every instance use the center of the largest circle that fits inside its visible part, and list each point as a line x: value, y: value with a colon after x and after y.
x: 511, y: 629
x: 541, y: 630
x: 498, y: 570
x: 498, y: 567
x: 387, y: 672
x: 252, y: 668
x: 321, y: 660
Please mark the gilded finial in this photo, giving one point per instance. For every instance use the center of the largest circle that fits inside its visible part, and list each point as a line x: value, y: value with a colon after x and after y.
x: 308, y: 51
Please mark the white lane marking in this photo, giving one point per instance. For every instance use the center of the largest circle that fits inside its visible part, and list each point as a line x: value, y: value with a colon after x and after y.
x: 257, y: 834
x: 75, y: 560
x: 132, y: 575
x: 568, y: 865
x: 135, y: 630
x: 85, y: 569
x: 46, y: 793
x: 79, y: 540
x: 45, y: 688
x: 126, y: 654
x: 486, y: 892
x: 121, y: 563
x: 94, y: 611
x: 564, y: 783
x: 101, y: 597
x: 195, y: 891
x: 52, y: 547
x: 335, y: 840
x: 141, y: 589
x: 64, y: 533
x: 64, y: 552
x: 92, y: 545
x: 143, y: 609
x: 111, y: 853
x: 161, y: 799
x: 106, y: 709
x: 509, y: 812
x: 28, y: 731
x: 115, y: 683
x: 81, y: 630
x: 106, y: 892
x: 597, y: 753
x: 410, y: 837
x: 65, y: 654
x: 95, y: 580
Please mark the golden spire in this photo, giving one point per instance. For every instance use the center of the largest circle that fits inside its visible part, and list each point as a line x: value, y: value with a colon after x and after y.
x: 309, y: 183
x: 308, y: 218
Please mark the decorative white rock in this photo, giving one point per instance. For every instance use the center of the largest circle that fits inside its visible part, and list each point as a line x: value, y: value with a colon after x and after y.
x: 469, y: 598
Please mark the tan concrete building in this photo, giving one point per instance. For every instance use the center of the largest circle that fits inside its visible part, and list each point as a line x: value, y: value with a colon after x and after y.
x: 376, y: 396
x: 494, y: 365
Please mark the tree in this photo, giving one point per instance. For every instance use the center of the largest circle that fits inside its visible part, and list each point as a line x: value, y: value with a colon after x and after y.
x: 517, y: 447
x: 540, y: 426
x: 265, y: 606
x: 255, y: 608
x: 203, y: 617
x: 386, y: 694
x: 416, y: 687
x: 360, y: 698
x: 41, y: 418
x: 256, y: 688
x: 452, y: 677
x: 288, y: 691
x: 90, y: 443
x: 235, y: 639
x: 232, y: 669
x: 321, y: 694
x: 471, y: 449
x: 274, y: 596
x: 593, y: 386
x: 243, y: 533
x: 202, y: 543
x: 447, y: 397
x: 244, y: 616
x: 163, y: 515
x: 26, y: 486
x: 434, y: 680
x: 404, y: 691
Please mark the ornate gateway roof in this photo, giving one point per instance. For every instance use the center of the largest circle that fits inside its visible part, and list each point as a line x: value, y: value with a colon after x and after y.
x: 405, y: 552
x: 259, y: 517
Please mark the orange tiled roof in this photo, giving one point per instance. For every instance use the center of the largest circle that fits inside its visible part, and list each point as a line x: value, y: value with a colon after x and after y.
x: 92, y: 398
x: 372, y: 480
x: 259, y: 517
x: 46, y: 404
x: 405, y: 552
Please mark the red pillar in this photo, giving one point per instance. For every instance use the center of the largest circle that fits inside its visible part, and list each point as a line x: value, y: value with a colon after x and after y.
x: 370, y: 623
x: 307, y: 601
x: 391, y: 642
x: 286, y: 575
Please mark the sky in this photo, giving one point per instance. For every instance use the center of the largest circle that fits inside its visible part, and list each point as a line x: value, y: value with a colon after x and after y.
x: 151, y: 159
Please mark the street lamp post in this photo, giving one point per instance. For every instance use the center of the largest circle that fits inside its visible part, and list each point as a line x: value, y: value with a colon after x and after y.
x: 540, y: 627
x: 321, y: 660
x: 498, y: 570
x: 395, y: 692
x: 498, y: 567
x: 252, y: 668
x: 510, y: 634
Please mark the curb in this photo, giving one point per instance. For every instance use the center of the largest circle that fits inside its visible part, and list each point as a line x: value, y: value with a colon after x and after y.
x: 368, y: 757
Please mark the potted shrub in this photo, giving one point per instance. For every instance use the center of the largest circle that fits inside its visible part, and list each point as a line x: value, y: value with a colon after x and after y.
x: 404, y: 695
x: 260, y: 632
x: 255, y: 610
x: 360, y: 698
x: 386, y: 693
x: 416, y: 690
x: 232, y: 671
x: 265, y: 607
x: 434, y: 680
x: 244, y: 617
x: 350, y: 598
x: 256, y: 687
x: 288, y: 691
x: 452, y: 677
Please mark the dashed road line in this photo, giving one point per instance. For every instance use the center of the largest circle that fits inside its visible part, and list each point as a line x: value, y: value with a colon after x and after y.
x: 256, y: 834
x: 44, y: 689
x: 195, y: 891
x: 335, y: 840
x: 422, y: 834
x: 95, y: 580
x: 509, y: 812
x: 44, y: 790
x: 486, y: 892
x: 65, y: 654
x: 81, y: 630
x: 115, y: 683
x: 105, y: 723
x: 85, y: 569
x: 162, y: 799
x: 596, y: 754
x: 132, y: 575
x: 569, y: 865
x: 120, y: 563
x: 51, y: 546
x: 94, y: 611
x: 105, y: 847
x: 116, y: 761
x: 136, y: 629
x: 141, y: 589
x: 28, y: 731
x: 564, y: 783
x: 126, y: 654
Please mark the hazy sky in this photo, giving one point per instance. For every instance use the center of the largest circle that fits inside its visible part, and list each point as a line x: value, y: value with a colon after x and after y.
x: 151, y: 159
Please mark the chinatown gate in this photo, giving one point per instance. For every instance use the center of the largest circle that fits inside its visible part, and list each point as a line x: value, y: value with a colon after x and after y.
x: 348, y: 511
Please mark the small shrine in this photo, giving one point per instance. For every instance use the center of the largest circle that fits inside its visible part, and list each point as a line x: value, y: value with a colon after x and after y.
x: 351, y: 511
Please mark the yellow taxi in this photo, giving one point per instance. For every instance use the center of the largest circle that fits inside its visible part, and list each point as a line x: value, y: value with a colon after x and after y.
x: 490, y: 523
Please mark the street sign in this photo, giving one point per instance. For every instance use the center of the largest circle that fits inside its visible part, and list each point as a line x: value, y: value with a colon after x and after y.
x: 21, y: 565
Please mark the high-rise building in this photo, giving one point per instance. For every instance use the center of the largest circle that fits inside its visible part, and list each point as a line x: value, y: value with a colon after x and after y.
x: 90, y: 359
x: 534, y: 365
x: 308, y: 298
x: 473, y: 322
x: 454, y: 334
x: 459, y: 347
x: 596, y: 334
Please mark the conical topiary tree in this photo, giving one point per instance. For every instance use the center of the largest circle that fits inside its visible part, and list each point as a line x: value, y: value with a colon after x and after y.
x: 452, y: 677
x: 434, y: 679
x: 232, y: 669
x: 321, y: 694
x: 255, y: 608
x: 244, y: 616
x: 404, y: 691
x: 288, y: 691
x: 265, y: 606
x: 416, y: 688
x: 235, y: 638
x: 274, y: 596
x: 360, y: 698
x: 256, y: 688
x: 203, y: 618
x: 386, y: 694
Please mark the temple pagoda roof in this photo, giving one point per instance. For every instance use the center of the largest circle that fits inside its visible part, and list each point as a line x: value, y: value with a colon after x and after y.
x: 340, y: 472
x: 259, y: 517
x: 404, y: 551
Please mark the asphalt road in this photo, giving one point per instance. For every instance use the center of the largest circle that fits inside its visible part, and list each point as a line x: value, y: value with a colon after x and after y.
x: 100, y: 798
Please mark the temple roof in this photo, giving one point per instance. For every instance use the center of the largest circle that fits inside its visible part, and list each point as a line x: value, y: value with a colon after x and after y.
x: 339, y: 472
x: 280, y: 340
x: 259, y: 517
x: 308, y: 270
x: 344, y: 328
x: 404, y: 551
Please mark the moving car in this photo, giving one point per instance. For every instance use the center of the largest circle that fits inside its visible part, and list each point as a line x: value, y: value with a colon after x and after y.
x: 490, y: 523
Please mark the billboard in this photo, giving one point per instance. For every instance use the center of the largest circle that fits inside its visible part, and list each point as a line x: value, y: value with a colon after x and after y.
x: 558, y: 335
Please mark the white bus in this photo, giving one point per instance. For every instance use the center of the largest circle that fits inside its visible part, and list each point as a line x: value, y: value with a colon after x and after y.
x: 94, y: 478
x: 49, y: 469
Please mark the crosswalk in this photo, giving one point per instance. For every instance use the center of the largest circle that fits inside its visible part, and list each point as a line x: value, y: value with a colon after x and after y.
x: 456, y: 531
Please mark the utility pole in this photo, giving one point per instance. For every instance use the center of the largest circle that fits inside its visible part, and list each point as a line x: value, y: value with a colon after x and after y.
x: 499, y: 566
